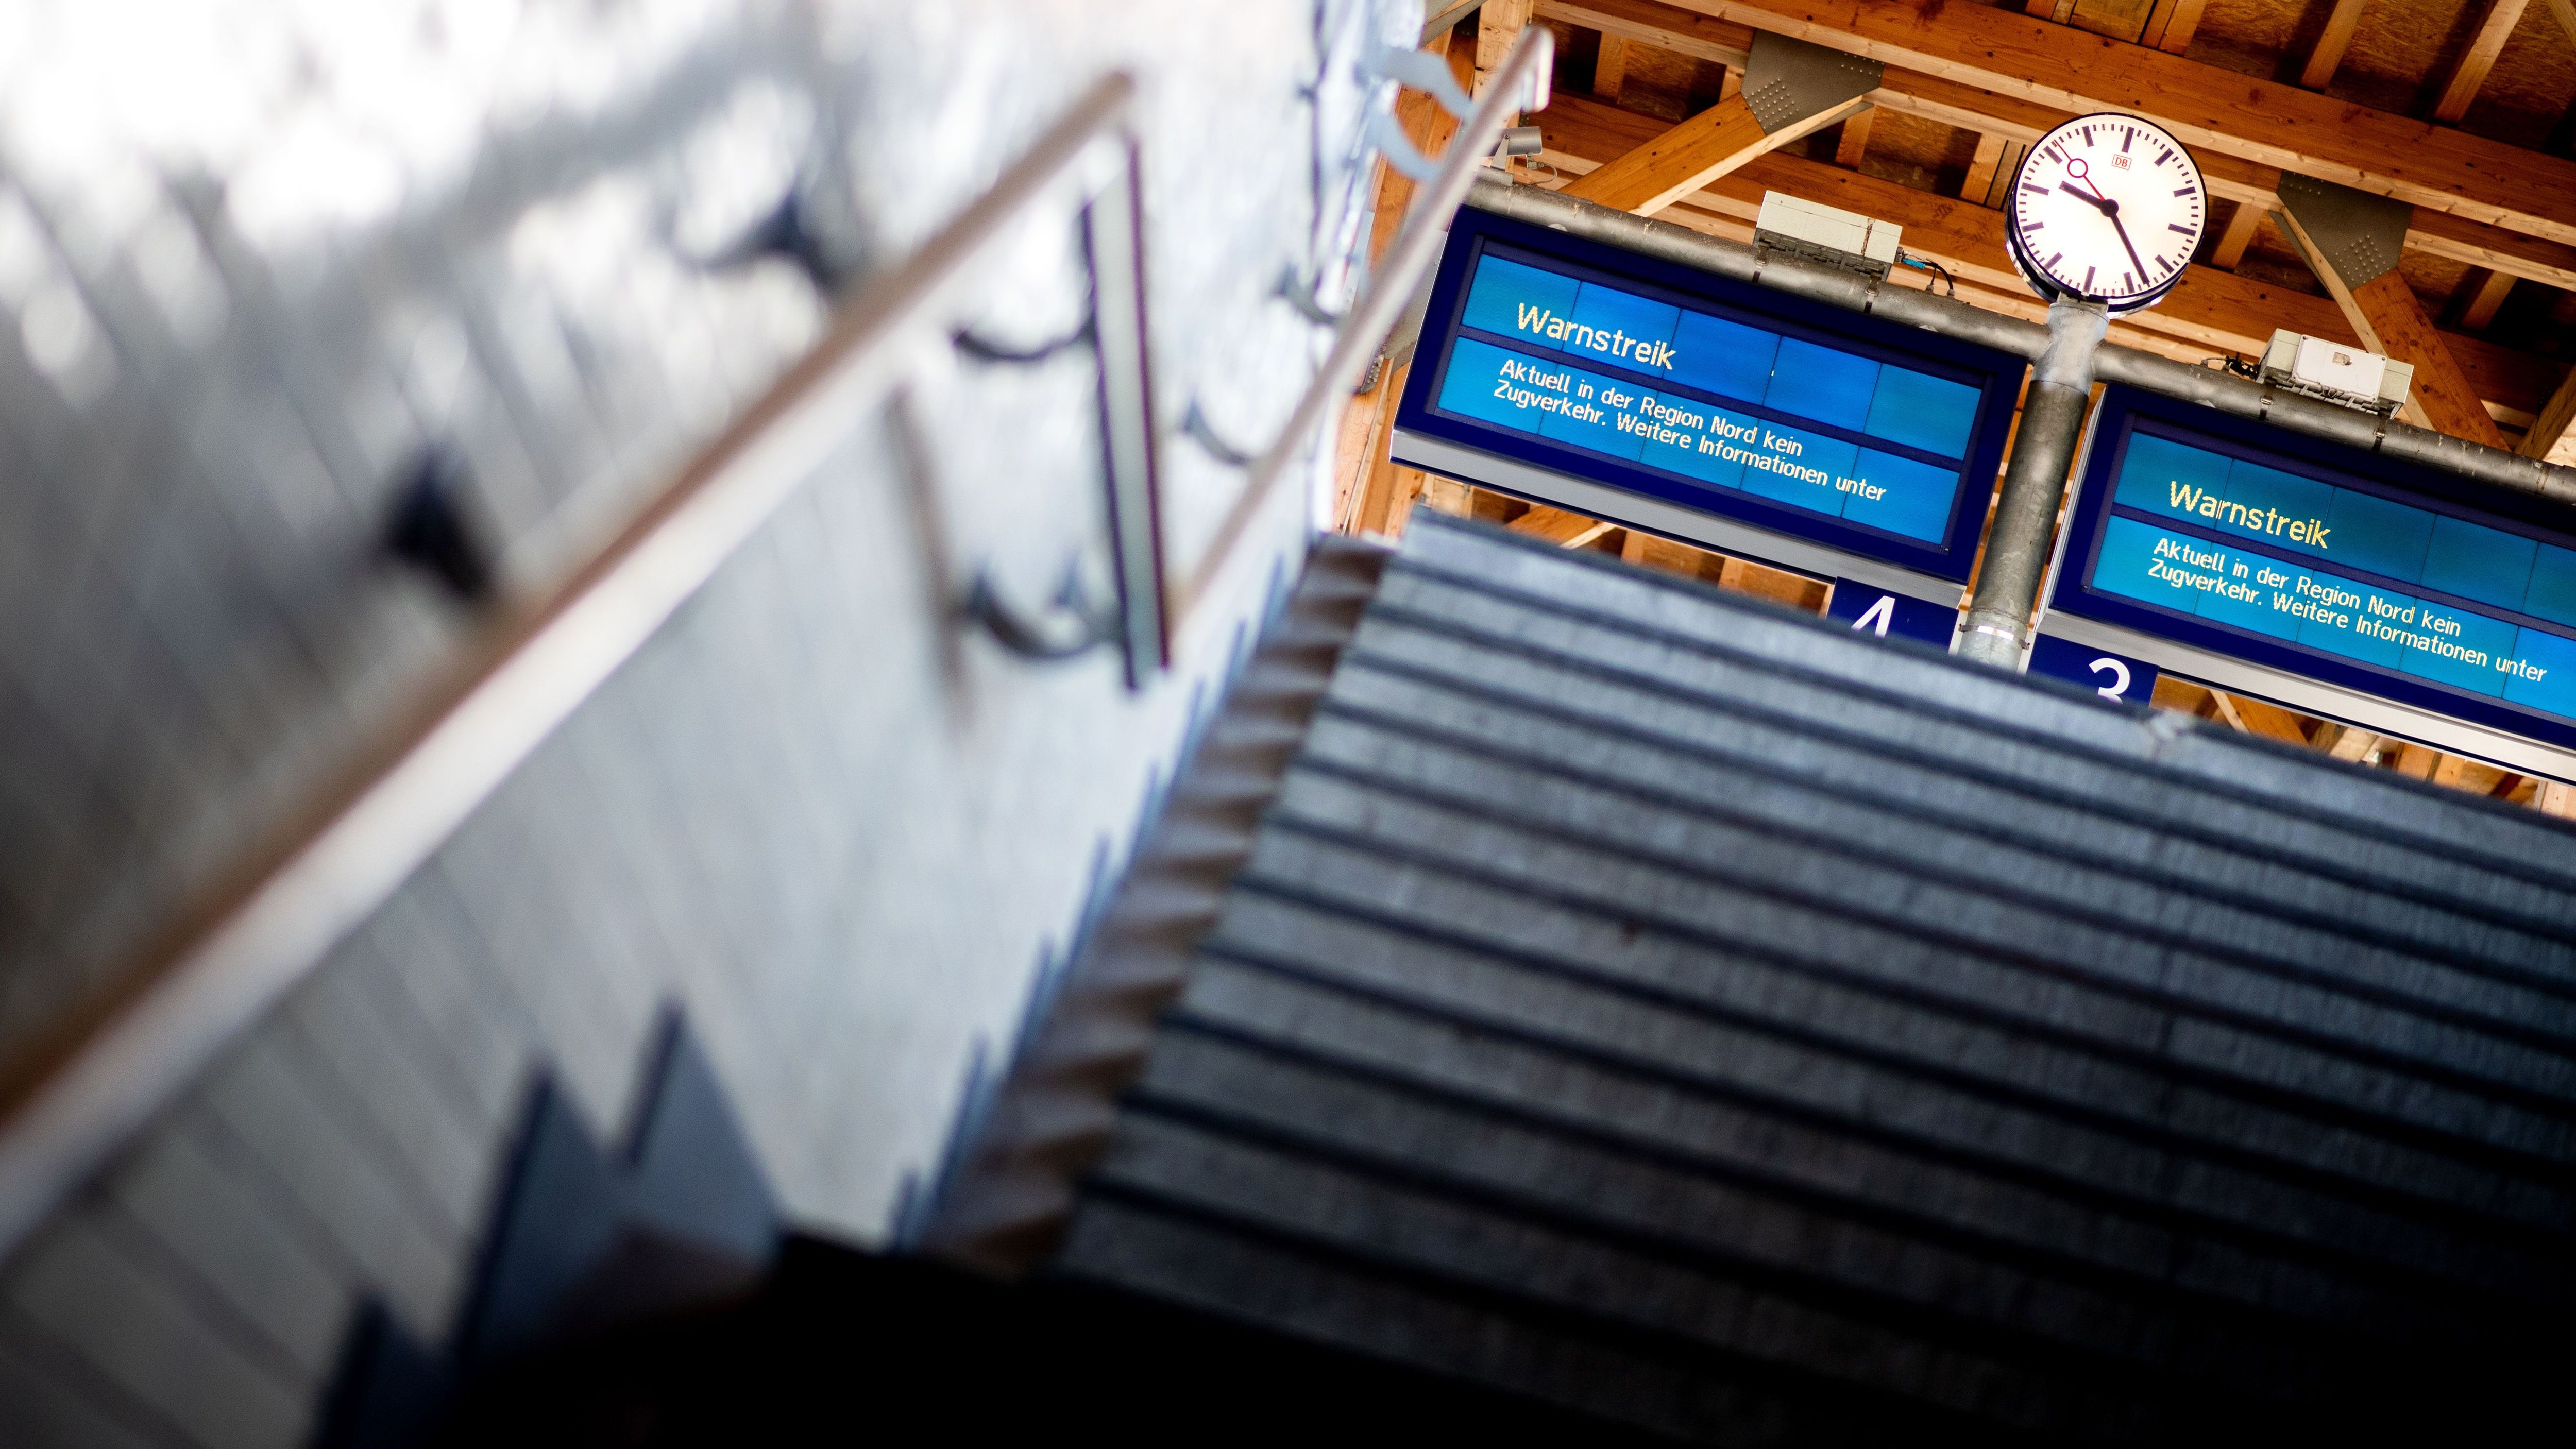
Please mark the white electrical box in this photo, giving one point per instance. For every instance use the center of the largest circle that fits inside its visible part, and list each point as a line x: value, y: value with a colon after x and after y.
x: 1826, y: 234
x: 2336, y: 371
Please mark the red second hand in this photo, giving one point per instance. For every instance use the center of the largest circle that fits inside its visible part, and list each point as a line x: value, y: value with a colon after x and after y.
x: 2076, y: 167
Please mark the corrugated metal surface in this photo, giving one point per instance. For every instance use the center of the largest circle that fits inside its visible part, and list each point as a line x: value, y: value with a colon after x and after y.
x: 1715, y: 1021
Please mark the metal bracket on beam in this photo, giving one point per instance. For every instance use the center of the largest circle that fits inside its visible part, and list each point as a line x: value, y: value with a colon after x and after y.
x: 1444, y: 17
x: 1786, y: 81
x: 2358, y: 233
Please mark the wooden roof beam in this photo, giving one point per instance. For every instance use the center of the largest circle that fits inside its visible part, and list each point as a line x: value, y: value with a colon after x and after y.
x: 1981, y: 169
x: 1855, y: 138
x: 2332, y: 42
x: 2254, y: 717
x: 2192, y: 325
x: 1661, y: 169
x: 1680, y: 160
x: 2351, y: 239
x: 1498, y: 24
x: 1988, y: 112
x: 2239, y: 234
x: 2487, y: 300
x: 2478, y: 59
x: 2549, y: 437
x: 1610, y: 71
x: 2393, y: 323
x: 2235, y: 179
x: 2171, y: 25
x: 1643, y: 22
x: 2212, y: 311
x: 2212, y: 109
x: 1558, y: 526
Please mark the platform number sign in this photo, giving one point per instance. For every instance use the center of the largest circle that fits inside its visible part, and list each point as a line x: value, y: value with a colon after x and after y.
x: 2116, y: 677
x: 1868, y: 609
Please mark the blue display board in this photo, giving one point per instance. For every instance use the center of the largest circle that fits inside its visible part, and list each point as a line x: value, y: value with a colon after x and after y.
x: 2328, y: 562
x: 1658, y: 380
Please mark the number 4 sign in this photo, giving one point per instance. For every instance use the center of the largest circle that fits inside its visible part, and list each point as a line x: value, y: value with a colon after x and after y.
x: 1872, y: 610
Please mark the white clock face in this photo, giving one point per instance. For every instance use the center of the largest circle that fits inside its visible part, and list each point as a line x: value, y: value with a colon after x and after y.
x: 2108, y: 208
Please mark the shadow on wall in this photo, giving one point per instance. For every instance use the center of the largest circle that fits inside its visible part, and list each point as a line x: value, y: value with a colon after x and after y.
x: 581, y: 1239
x: 922, y: 1194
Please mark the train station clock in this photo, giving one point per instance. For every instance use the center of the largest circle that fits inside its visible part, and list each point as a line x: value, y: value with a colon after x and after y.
x: 2108, y: 209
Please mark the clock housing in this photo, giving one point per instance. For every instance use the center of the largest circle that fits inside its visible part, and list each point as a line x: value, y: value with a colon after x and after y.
x: 2107, y: 208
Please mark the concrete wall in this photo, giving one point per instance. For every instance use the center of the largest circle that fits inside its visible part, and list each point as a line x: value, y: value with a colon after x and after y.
x: 250, y: 292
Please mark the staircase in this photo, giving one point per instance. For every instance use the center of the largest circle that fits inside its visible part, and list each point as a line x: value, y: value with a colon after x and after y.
x: 1727, y: 1026
x: 1568, y: 1002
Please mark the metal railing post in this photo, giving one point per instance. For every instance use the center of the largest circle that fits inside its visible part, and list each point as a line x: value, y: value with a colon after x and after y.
x: 1523, y: 74
x: 1114, y: 235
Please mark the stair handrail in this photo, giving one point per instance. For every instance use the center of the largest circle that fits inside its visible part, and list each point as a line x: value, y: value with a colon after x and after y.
x: 1520, y: 82
x: 71, y: 1100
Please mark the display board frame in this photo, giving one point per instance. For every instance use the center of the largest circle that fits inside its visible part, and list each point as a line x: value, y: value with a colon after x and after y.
x: 1549, y: 471
x: 2303, y: 677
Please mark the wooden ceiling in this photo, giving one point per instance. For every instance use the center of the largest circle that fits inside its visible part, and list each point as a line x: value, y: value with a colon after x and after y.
x: 2466, y: 109
x: 2460, y: 107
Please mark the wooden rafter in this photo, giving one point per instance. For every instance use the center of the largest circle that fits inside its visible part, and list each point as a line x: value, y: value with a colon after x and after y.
x: 2231, y: 178
x: 2332, y: 42
x: 2487, y: 299
x: 1558, y: 526
x: 2171, y: 25
x: 1663, y: 168
x: 2391, y: 321
x: 2254, y: 717
x: 2006, y: 168
x: 2434, y: 167
x: 2238, y: 235
x: 1661, y: 26
x: 1855, y: 139
x: 1611, y: 70
x: 2478, y: 59
x: 2019, y: 118
x: 1981, y: 170
x: 2211, y: 311
x: 1498, y: 24
x: 2385, y: 313
x: 2549, y: 435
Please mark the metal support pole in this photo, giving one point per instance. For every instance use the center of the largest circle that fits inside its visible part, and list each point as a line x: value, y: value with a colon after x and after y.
x: 2052, y: 417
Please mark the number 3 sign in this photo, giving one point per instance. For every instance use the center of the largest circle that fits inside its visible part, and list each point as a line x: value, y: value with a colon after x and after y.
x: 2115, y: 677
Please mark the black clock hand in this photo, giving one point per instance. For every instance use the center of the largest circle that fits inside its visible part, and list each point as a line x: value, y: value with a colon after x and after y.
x: 2112, y: 213
x: 2111, y: 210
x: 2099, y: 204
